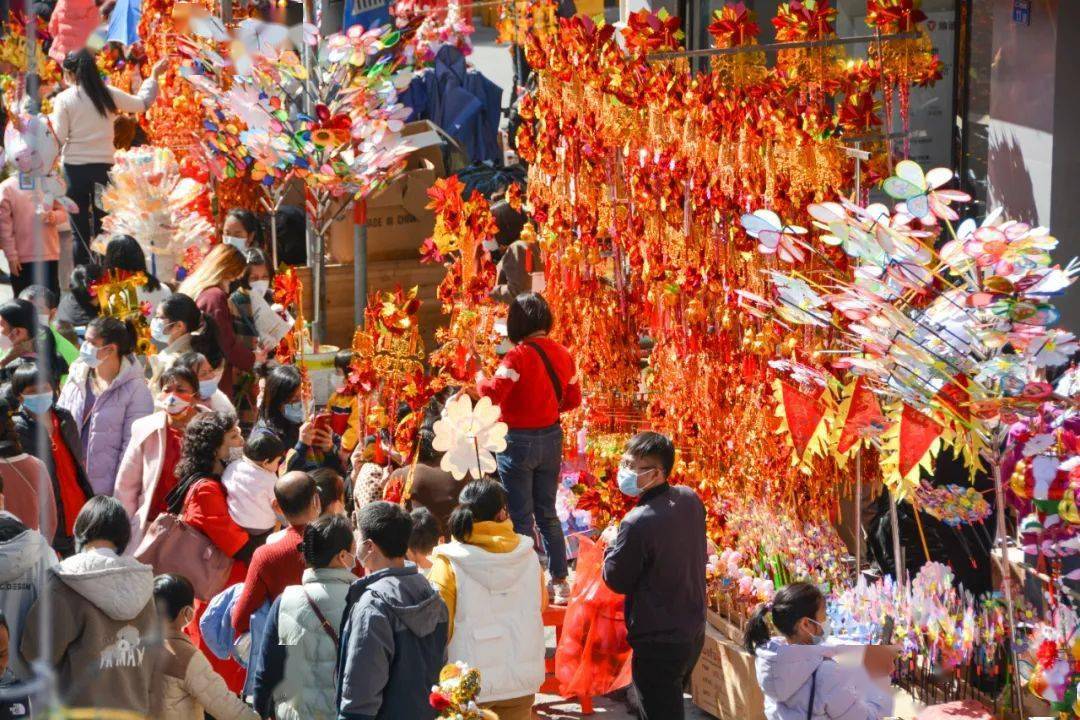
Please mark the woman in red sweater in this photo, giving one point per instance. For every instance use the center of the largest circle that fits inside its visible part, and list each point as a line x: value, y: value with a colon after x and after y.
x: 208, y: 286
x: 200, y: 500
x: 536, y: 381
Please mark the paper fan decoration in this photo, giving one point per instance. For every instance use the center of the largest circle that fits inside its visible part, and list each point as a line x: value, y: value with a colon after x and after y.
x: 469, y: 435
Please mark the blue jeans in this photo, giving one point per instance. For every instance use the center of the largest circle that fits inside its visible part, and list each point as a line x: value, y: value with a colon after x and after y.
x: 529, y: 470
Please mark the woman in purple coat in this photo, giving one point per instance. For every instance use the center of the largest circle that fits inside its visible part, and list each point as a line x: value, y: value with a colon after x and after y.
x: 106, y: 392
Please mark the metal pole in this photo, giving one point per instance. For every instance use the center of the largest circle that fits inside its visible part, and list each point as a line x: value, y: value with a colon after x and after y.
x: 858, y: 512
x: 42, y: 669
x: 1006, y: 579
x: 360, y: 277
x: 894, y: 522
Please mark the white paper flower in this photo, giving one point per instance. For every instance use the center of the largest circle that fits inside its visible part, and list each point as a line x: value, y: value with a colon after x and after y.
x: 469, y: 436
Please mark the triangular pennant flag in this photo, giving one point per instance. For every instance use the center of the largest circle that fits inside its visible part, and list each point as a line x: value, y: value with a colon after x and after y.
x: 801, y: 419
x: 911, y: 443
x: 859, y: 415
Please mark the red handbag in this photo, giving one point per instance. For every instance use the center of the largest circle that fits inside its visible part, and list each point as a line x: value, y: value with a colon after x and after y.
x: 172, y: 546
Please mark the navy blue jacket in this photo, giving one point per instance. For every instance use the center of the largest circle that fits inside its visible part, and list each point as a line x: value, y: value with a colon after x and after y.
x: 464, y: 103
x: 393, y: 645
x: 658, y: 562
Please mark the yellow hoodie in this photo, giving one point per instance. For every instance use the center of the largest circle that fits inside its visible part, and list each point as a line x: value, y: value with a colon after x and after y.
x: 490, y: 535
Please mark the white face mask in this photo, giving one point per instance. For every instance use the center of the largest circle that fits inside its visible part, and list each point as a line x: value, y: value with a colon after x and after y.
x: 491, y: 245
x: 235, y: 453
x: 240, y: 243
x: 43, y: 320
x: 5, y: 342
x: 259, y: 287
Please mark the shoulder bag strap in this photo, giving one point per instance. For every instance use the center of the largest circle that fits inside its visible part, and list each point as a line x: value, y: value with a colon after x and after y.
x: 322, y: 618
x: 813, y: 691
x: 550, y: 371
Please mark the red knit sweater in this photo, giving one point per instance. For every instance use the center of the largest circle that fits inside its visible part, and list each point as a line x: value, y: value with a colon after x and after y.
x: 523, y: 390
x: 273, y: 568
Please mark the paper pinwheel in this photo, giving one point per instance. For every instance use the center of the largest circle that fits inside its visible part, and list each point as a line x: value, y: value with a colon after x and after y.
x: 469, y: 436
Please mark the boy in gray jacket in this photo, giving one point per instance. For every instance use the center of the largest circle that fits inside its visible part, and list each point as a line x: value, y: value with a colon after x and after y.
x: 393, y: 634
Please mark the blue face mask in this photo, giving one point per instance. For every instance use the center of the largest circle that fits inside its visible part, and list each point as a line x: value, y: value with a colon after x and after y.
x: 38, y: 403
x: 89, y: 354
x: 293, y: 412
x: 208, y: 387
x: 628, y: 482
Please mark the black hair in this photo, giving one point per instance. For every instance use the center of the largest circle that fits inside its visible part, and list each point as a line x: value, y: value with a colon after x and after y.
x: 529, y: 313
x: 254, y: 257
x: 343, y: 360
x: 425, y: 451
x: 182, y: 309
x: 114, y: 331
x: 509, y: 221
x: 480, y: 500
x: 82, y: 277
x: 32, y: 292
x: 324, y: 539
x: 387, y: 525
x: 173, y: 593
x: 103, y: 518
x: 282, y: 381
x: 26, y: 374
x: 251, y: 224
x: 291, y: 226
x: 263, y: 446
x: 653, y: 445
x: 425, y: 531
x: 178, y: 372
x: 20, y: 314
x: 330, y: 486
x: 293, y: 496
x: 80, y: 63
x: 124, y: 252
x: 10, y: 444
x: 791, y: 604
x: 203, y: 438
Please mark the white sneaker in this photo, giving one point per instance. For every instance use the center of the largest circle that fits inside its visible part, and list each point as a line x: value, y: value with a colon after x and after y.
x: 559, y: 592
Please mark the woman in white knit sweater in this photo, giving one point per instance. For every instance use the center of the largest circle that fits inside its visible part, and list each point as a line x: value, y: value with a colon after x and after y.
x: 82, y: 118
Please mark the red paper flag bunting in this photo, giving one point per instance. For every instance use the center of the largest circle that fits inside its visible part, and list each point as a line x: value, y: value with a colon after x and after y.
x: 911, y: 443
x: 802, y: 418
x: 859, y: 415
x: 955, y: 399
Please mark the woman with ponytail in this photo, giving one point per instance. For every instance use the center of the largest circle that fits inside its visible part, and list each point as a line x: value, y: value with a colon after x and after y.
x: 492, y: 583
x: 294, y: 676
x: 175, y: 321
x: 796, y: 671
x: 82, y: 118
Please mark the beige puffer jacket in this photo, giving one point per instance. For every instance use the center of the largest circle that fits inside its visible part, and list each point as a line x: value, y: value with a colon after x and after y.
x: 188, y: 686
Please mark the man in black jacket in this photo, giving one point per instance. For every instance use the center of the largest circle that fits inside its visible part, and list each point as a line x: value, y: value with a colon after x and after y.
x: 658, y: 561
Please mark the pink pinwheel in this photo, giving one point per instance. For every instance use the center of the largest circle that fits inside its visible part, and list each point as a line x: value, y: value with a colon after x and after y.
x: 921, y: 194
x: 775, y: 237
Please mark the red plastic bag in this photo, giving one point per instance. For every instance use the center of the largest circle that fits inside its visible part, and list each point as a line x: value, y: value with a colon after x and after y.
x: 593, y: 657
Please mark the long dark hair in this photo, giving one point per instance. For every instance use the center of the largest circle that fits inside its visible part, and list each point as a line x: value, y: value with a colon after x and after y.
x: 203, y: 438
x: 324, y: 539
x: 81, y: 64
x: 480, y: 500
x: 281, y: 382
x: 790, y: 605
x: 125, y: 253
x: 250, y: 222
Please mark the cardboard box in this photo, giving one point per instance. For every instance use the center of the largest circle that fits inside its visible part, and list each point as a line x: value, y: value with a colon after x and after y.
x: 724, y: 683
x: 382, y: 276
x: 398, y: 220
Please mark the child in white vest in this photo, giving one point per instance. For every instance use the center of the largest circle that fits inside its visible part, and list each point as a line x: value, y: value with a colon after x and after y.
x: 250, y: 480
x: 492, y: 583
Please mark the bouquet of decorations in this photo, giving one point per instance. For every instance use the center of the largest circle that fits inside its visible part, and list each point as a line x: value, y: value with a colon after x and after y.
x: 150, y: 199
x: 454, y: 698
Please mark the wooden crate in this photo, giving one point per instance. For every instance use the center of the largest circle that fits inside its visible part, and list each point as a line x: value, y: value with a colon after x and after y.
x: 382, y: 276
